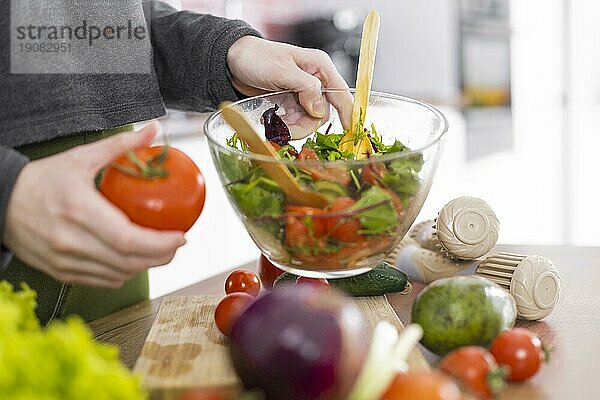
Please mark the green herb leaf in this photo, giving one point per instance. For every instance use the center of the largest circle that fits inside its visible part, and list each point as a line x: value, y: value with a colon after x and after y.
x: 379, y: 219
x: 261, y: 197
x: 403, y: 176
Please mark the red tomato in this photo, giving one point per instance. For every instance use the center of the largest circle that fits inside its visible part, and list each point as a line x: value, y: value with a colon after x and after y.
x: 521, y: 351
x: 475, y: 368
x: 344, y: 227
x: 242, y: 280
x: 307, y: 154
x: 267, y: 272
x: 422, y: 386
x: 230, y: 307
x: 316, y: 282
x: 373, y: 172
x: 347, y: 256
x: 333, y: 173
x: 170, y: 202
x: 312, y: 215
x: 297, y: 235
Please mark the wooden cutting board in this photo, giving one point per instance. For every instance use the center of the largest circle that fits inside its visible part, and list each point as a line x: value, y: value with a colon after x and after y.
x: 184, y: 348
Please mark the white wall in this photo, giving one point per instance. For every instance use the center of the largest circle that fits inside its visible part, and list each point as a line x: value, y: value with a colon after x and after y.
x: 582, y: 139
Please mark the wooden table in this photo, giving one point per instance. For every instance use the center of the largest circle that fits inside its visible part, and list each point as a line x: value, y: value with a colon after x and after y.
x: 571, y: 329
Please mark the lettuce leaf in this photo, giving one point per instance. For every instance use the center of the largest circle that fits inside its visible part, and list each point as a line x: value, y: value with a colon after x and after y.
x: 61, y: 362
x: 378, y: 219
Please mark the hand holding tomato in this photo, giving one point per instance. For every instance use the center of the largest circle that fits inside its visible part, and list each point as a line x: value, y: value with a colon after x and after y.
x: 58, y: 222
x: 157, y: 187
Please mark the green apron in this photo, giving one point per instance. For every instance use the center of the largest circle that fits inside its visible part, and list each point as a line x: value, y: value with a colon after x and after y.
x: 57, y: 299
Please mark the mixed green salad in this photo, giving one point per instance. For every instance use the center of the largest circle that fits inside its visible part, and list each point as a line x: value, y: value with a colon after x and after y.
x: 367, y: 200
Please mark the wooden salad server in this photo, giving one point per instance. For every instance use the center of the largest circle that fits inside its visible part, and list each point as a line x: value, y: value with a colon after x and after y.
x: 276, y: 169
x: 355, y: 140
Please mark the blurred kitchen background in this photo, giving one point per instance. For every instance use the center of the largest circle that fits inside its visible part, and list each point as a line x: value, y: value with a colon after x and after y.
x: 519, y: 82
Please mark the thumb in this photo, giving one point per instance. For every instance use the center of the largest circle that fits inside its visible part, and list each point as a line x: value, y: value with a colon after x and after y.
x: 103, y: 152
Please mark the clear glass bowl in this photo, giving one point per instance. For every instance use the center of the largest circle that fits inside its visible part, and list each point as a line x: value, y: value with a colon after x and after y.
x: 336, y: 241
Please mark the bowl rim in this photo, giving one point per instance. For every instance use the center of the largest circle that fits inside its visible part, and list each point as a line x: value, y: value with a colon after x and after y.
x: 387, y: 157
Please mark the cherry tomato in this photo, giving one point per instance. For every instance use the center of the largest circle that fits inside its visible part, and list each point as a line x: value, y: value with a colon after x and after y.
x: 311, y: 216
x: 521, y: 351
x: 475, y: 368
x: 229, y: 309
x: 267, y: 272
x: 422, y: 386
x: 171, y: 201
x: 243, y: 280
x: 316, y: 282
x: 343, y: 227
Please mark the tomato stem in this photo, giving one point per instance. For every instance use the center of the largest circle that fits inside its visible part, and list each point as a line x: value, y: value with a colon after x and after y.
x: 496, y: 378
x: 151, y: 168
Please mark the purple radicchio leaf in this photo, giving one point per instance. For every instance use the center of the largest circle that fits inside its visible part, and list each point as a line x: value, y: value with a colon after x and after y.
x: 275, y: 129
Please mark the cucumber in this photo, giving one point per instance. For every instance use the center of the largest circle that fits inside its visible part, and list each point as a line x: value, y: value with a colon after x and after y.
x: 382, y: 279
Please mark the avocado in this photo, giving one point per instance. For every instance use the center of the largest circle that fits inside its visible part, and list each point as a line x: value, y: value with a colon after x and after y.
x: 462, y: 311
x: 384, y: 278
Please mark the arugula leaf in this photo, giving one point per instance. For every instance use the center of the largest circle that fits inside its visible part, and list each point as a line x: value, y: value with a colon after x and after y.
x: 380, y: 219
x: 382, y: 148
x: 403, y: 176
x: 326, y: 146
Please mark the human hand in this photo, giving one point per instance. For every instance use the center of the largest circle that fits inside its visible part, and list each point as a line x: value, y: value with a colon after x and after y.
x: 59, y: 223
x: 258, y: 65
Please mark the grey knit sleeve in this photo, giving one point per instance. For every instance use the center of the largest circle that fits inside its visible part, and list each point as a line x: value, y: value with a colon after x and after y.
x: 11, y: 164
x: 190, y: 55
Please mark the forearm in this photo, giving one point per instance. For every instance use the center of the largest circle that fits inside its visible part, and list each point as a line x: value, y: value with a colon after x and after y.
x: 190, y: 55
x: 11, y: 164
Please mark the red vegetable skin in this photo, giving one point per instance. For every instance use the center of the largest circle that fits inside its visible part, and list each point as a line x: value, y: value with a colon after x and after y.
x: 311, y: 215
x: 422, y: 386
x: 229, y: 309
x: 319, y: 171
x: 242, y: 280
x: 373, y: 172
x: 521, y: 351
x: 344, y: 227
x: 170, y: 202
x: 315, y: 282
x: 476, y: 369
x: 299, y: 343
x: 267, y: 272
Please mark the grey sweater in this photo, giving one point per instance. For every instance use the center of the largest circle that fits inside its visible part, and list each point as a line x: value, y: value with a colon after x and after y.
x: 190, y: 73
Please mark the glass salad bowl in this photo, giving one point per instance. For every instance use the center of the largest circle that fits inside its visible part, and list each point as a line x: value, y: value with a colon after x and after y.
x: 370, y: 200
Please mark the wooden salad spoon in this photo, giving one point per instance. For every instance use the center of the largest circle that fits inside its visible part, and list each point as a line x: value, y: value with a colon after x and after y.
x: 364, y: 79
x: 275, y: 169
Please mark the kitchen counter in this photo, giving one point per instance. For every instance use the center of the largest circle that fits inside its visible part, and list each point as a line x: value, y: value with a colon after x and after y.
x: 570, y: 329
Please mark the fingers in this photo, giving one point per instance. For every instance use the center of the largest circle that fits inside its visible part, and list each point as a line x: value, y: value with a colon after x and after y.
x: 99, y: 154
x: 309, y: 90
x: 319, y: 64
x: 92, y: 253
x: 115, y: 229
